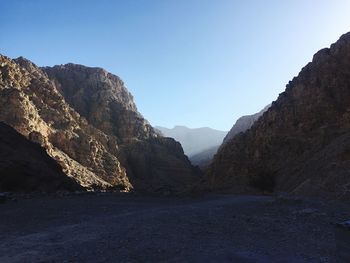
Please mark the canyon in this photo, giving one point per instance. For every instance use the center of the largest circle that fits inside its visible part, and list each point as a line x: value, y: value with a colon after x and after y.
x: 84, y: 177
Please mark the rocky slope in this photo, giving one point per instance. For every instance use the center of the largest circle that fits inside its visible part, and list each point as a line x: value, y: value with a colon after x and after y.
x: 301, y: 144
x: 25, y: 166
x: 244, y: 123
x: 87, y: 122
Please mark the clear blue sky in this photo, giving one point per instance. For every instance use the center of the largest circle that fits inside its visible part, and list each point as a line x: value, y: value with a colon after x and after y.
x: 187, y: 62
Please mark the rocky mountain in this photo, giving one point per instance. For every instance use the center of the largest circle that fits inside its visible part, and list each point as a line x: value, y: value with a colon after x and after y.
x: 88, y: 123
x: 196, y: 140
x: 25, y: 166
x: 301, y: 143
x: 244, y: 123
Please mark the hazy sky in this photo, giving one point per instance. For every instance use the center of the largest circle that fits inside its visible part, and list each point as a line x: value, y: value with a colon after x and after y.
x: 187, y: 62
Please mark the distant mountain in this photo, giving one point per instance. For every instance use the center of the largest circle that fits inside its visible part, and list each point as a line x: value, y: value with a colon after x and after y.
x: 196, y: 140
x: 301, y: 144
x: 244, y: 123
x: 204, y: 158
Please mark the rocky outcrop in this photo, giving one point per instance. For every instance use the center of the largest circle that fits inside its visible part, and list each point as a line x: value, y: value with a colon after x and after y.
x: 301, y: 144
x: 84, y: 118
x: 244, y: 123
x: 25, y: 166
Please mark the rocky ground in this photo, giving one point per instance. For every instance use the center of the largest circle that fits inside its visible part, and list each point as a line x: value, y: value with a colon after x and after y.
x: 129, y: 228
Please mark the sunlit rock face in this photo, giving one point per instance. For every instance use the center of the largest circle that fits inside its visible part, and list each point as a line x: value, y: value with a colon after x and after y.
x: 301, y: 143
x: 102, y: 99
x: 85, y: 118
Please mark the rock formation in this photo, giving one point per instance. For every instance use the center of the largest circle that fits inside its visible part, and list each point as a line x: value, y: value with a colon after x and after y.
x: 87, y: 121
x: 25, y: 166
x: 301, y: 144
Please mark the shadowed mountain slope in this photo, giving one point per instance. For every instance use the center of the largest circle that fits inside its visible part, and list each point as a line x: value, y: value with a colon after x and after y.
x: 25, y: 166
x: 301, y: 143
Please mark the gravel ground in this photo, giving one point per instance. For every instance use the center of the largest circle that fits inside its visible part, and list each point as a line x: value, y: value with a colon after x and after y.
x: 126, y: 228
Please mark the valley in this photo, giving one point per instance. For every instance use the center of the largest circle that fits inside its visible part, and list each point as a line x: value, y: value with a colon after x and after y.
x: 85, y: 177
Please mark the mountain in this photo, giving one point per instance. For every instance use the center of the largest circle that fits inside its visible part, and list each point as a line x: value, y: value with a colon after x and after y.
x: 196, y: 140
x: 301, y: 143
x: 25, y: 166
x: 202, y: 144
x: 244, y: 123
x: 204, y: 158
x: 88, y: 123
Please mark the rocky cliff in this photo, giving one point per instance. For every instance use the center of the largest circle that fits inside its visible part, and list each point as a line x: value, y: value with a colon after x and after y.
x: 25, y: 166
x: 88, y: 123
x: 301, y: 144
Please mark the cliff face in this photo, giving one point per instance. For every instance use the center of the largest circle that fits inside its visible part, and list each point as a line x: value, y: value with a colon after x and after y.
x: 84, y: 118
x: 25, y: 166
x: 301, y: 144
